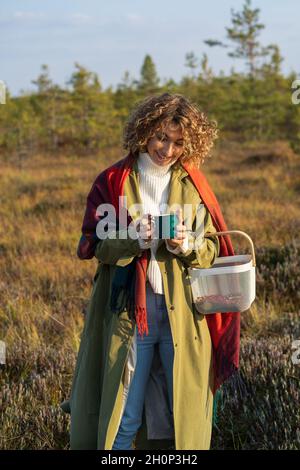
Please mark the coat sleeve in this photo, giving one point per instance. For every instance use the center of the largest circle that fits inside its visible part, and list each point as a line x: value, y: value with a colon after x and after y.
x: 119, y: 249
x: 202, y: 252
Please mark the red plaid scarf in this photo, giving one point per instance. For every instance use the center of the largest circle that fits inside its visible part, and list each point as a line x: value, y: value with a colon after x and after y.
x: 224, y: 328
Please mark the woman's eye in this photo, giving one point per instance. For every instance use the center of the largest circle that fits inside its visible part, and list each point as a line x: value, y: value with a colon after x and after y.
x: 162, y: 137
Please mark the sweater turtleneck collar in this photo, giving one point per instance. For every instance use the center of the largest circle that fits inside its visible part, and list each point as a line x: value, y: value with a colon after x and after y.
x: 146, y: 165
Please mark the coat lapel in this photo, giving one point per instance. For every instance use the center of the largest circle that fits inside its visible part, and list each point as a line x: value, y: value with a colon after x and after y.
x: 182, y: 190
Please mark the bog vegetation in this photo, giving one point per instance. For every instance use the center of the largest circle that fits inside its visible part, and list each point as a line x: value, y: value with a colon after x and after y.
x: 53, y: 143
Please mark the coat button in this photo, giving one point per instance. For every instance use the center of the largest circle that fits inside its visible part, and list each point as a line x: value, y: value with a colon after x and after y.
x: 172, y: 307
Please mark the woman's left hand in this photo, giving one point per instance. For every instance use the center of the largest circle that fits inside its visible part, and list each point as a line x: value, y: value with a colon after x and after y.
x: 180, y: 232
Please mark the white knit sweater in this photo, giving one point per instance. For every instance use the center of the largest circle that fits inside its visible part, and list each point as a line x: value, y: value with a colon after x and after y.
x: 154, y: 191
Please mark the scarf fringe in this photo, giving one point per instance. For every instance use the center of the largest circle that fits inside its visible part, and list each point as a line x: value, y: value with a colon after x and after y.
x: 122, y: 292
x: 123, y: 298
x: 141, y: 320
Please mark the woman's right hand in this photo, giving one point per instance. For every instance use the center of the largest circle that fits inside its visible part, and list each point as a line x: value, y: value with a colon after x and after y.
x: 145, y: 230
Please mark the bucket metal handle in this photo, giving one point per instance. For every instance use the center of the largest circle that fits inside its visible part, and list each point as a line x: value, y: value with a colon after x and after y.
x: 209, y: 234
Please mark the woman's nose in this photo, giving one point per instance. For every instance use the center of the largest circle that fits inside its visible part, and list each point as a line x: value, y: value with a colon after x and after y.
x: 168, y: 149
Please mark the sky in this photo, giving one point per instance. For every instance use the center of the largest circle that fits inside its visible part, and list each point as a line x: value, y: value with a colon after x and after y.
x: 111, y: 37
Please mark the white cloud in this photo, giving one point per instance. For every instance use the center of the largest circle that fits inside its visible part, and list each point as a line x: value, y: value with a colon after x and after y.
x: 134, y: 18
x: 28, y: 15
x: 81, y: 17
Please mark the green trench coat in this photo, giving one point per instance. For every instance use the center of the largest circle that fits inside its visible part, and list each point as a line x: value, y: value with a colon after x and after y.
x: 107, y: 354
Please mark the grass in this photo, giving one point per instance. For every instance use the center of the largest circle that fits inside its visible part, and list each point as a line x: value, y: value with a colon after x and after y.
x: 45, y: 288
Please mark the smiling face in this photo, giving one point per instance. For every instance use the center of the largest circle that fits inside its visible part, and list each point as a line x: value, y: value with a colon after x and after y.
x: 166, y: 146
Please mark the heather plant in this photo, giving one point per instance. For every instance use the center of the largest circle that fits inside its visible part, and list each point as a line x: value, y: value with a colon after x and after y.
x: 45, y: 289
x: 263, y: 414
x: 279, y: 273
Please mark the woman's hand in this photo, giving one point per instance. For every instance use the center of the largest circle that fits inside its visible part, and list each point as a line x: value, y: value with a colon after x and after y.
x: 145, y: 229
x: 180, y: 232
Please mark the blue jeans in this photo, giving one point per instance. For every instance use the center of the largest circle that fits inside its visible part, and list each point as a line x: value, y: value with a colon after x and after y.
x: 159, y: 332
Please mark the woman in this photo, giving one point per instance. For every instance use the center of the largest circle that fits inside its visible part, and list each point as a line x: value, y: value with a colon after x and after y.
x: 149, y: 364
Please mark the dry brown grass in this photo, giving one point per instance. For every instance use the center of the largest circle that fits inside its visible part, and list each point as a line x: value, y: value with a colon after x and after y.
x: 44, y: 287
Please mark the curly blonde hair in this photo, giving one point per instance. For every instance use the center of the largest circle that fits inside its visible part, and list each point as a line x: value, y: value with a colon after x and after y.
x: 155, y: 111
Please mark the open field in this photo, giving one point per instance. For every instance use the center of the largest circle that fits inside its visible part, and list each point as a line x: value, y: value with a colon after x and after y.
x: 44, y: 291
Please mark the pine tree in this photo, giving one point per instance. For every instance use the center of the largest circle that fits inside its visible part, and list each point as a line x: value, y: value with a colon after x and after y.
x: 273, y: 67
x: 84, y: 108
x: 125, y: 96
x: 46, y: 103
x: 191, y: 62
x: 149, y: 81
x: 244, y: 33
x: 206, y: 73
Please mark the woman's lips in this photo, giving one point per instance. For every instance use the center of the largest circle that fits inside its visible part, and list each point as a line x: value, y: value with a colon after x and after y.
x: 162, y: 158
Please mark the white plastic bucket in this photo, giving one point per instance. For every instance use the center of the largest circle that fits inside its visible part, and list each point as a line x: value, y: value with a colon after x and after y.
x: 228, y: 286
